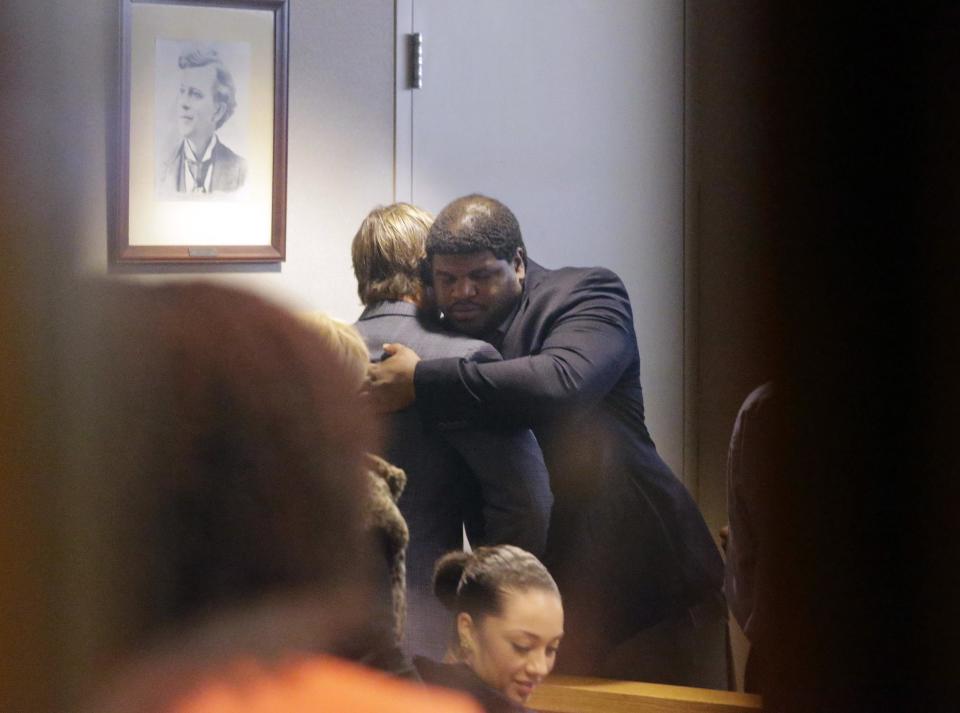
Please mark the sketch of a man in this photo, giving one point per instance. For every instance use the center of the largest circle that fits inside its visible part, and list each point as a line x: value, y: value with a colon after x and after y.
x: 201, y: 162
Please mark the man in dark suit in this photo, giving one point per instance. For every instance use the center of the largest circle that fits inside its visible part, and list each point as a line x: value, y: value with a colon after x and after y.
x: 638, y: 569
x: 492, y: 479
x: 201, y: 163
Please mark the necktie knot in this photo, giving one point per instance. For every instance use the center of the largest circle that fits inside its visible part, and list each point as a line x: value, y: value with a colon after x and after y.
x: 198, y: 170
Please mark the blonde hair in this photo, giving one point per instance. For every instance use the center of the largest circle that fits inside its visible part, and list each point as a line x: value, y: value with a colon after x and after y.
x: 344, y: 342
x: 388, y: 253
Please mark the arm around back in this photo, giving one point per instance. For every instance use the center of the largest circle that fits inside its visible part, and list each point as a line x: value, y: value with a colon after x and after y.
x: 574, y: 340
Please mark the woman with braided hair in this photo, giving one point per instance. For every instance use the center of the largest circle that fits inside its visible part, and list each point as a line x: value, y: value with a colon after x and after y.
x: 507, y: 627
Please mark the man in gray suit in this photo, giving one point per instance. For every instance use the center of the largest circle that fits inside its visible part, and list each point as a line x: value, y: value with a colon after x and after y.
x: 493, y: 481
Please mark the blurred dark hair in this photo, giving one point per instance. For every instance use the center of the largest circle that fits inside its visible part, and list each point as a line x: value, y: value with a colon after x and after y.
x: 475, y: 582
x: 227, y: 468
x: 474, y: 223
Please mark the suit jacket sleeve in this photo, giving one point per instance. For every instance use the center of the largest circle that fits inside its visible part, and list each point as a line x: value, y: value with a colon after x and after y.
x: 509, y: 470
x: 588, y: 342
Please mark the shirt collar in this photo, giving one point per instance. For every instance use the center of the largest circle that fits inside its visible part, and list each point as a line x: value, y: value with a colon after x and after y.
x: 389, y: 307
x: 207, y: 155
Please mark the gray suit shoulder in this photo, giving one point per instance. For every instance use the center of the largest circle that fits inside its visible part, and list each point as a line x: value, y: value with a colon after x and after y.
x: 470, y: 347
x: 483, y: 352
x: 454, y: 344
x: 427, y: 338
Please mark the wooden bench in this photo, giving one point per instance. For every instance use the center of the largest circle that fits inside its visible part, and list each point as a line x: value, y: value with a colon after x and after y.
x: 574, y: 694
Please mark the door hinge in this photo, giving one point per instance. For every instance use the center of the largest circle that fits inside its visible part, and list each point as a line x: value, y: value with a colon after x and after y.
x: 415, y: 60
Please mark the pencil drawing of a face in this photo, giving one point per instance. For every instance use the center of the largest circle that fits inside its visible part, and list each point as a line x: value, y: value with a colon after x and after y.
x: 198, y: 114
x: 197, y: 96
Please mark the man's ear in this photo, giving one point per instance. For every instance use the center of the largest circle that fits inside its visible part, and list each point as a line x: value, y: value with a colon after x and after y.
x: 519, y: 265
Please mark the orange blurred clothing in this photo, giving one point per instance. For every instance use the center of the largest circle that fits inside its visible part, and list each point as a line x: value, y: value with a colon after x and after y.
x: 319, y: 684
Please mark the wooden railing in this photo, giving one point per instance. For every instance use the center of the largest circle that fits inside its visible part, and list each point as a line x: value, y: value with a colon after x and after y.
x: 573, y: 694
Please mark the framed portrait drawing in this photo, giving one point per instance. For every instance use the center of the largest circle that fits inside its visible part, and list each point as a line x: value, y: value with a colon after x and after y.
x: 203, y: 131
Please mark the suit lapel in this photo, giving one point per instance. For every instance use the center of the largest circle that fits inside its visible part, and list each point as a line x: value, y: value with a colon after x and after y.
x: 515, y: 343
x: 179, y: 167
x: 218, y: 166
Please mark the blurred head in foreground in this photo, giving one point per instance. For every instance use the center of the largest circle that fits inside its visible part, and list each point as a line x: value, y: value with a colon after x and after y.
x: 509, y: 617
x: 224, y: 461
